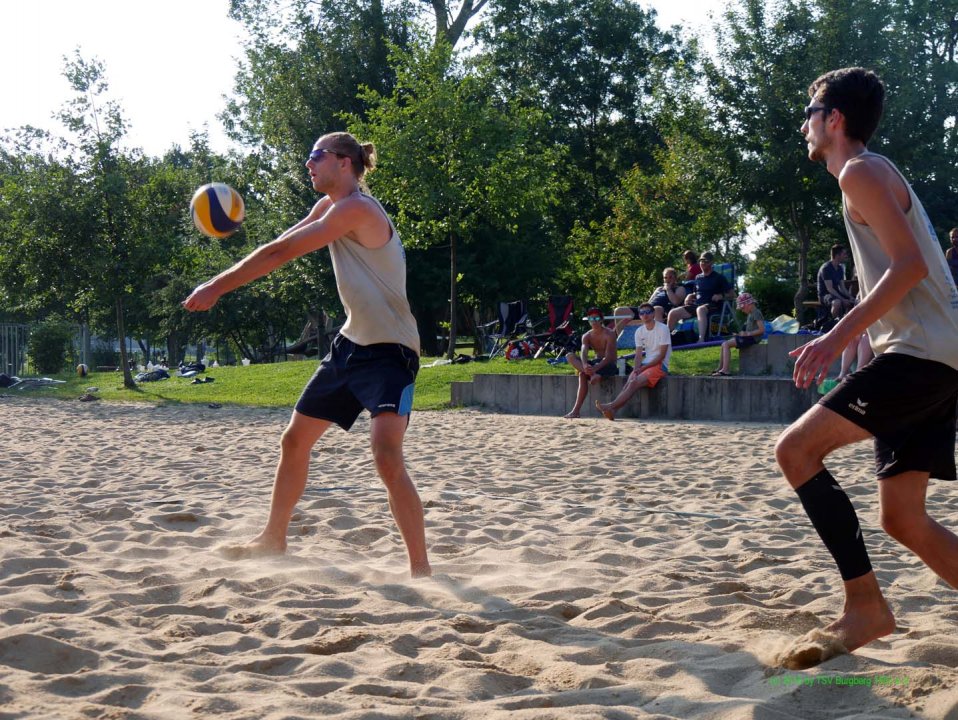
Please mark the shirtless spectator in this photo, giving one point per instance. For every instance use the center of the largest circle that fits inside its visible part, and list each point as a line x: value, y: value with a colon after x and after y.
x: 601, y: 340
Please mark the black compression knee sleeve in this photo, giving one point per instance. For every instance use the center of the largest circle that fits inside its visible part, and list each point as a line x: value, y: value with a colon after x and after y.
x: 833, y: 516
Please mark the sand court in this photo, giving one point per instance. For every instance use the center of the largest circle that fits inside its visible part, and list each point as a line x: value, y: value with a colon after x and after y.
x: 582, y: 570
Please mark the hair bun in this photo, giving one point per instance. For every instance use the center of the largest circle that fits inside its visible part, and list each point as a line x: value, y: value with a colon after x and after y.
x: 369, y: 155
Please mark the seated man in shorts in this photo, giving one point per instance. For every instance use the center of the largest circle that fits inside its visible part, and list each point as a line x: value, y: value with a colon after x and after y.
x: 832, y: 291
x: 654, y: 342
x: 600, y: 340
x: 670, y: 294
x: 711, y: 288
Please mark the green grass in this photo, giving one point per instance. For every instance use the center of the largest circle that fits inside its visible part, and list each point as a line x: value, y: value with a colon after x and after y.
x: 279, y: 384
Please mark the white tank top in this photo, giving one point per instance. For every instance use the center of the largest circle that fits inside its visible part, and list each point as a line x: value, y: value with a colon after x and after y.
x: 372, y: 286
x: 925, y: 323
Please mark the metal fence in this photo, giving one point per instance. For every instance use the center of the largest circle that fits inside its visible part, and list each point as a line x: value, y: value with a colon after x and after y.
x: 13, y: 348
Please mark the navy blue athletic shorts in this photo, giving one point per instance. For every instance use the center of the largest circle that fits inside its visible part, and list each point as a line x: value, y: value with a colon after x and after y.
x: 606, y: 370
x: 908, y: 404
x: 379, y: 377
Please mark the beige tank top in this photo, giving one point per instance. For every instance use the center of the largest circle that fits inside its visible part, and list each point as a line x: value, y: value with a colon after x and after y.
x: 925, y: 323
x: 372, y: 286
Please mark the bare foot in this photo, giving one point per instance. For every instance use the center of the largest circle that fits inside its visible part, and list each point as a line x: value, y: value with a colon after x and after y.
x: 861, y: 624
x: 605, y: 409
x: 572, y: 415
x: 259, y: 546
x: 854, y: 629
x: 420, y: 571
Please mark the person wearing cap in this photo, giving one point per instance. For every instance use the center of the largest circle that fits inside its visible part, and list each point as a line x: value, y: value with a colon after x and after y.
x: 653, y: 344
x: 754, y: 329
x: 601, y: 340
x: 711, y: 288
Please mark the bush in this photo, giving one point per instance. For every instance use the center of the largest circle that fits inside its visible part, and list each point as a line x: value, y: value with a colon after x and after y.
x: 49, y: 343
x: 772, y: 297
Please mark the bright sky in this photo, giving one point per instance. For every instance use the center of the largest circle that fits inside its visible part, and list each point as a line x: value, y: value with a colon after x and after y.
x: 168, y: 62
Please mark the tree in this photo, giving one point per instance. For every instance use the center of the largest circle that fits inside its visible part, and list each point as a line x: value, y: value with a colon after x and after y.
x: 687, y: 201
x: 465, y: 171
x: 106, y: 172
x: 594, y: 66
x: 767, y: 57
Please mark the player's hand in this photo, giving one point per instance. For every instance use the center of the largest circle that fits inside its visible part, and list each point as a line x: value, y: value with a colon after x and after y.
x: 814, y: 359
x: 202, y: 298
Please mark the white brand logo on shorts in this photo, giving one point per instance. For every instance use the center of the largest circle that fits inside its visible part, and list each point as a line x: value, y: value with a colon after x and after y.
x: 858, y: 406
x: 388, y: 405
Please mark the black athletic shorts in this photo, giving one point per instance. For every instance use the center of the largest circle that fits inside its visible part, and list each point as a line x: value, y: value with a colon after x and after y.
x: 908, y: 404
x: 606, y: 370
x: 379, y: 377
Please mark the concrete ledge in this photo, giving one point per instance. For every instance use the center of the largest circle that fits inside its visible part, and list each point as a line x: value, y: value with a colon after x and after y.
x: 771, y: 357
x: 680, y: 397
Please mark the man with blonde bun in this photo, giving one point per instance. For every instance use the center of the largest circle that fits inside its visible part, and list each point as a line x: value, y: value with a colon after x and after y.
x: 375, y: 357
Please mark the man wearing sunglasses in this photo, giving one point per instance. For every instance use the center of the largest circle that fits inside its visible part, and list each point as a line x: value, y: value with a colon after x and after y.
x: 904, y: 399
x: 601, y: 341
x: 375, y: 357
x: 653, y: 348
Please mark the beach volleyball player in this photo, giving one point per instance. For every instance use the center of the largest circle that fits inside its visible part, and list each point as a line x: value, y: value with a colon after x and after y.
x: 375, y: 357
x: 905, y: 399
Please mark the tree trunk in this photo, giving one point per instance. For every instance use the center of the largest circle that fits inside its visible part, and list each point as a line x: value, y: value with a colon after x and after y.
x: 452, y: 31
x: 804, y: 241
x: 453, y: 306
x: 121, y: 334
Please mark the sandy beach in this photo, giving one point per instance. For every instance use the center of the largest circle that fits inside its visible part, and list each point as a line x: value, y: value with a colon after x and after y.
x: 583, y: 569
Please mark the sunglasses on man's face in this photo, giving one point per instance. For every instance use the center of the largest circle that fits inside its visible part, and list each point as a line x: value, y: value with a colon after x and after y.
x: 812, y: 109
x: 645, y: 312
x: 317, y: 155
x: 595, y: 318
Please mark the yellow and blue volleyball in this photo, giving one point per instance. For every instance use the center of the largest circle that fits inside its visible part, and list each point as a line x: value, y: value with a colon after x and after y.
x: 217, y: 210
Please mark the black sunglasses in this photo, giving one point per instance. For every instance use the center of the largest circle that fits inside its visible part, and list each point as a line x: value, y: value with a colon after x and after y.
x: 810, y: 110
x: 317, y: 155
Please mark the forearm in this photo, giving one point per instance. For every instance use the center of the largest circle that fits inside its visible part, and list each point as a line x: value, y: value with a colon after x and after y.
x: 266, y: 258
x: 258, y: 263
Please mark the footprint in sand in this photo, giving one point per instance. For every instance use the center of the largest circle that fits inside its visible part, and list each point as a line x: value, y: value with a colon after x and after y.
x: 813, y: 648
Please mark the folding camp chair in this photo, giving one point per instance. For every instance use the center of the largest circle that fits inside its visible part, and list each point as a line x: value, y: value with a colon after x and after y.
x: 724, y: 321
x: 557, y: 339
x: 513, y: 319
x: 560, y: 312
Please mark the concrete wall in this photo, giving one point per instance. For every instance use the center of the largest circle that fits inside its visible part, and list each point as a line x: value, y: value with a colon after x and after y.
x: 771, y: 357
x: 763, y: 392
x: 756, y: 399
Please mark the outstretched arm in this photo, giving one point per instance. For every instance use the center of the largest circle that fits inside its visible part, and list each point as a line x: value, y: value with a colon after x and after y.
x: 324, y: 224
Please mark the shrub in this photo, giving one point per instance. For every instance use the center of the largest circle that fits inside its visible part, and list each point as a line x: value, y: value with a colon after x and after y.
x: 773, y: 297
x: 49, y: 343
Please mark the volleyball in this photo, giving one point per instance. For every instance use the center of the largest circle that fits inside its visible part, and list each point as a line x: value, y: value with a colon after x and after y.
x: 217, y: 210
x: 82, y: 370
